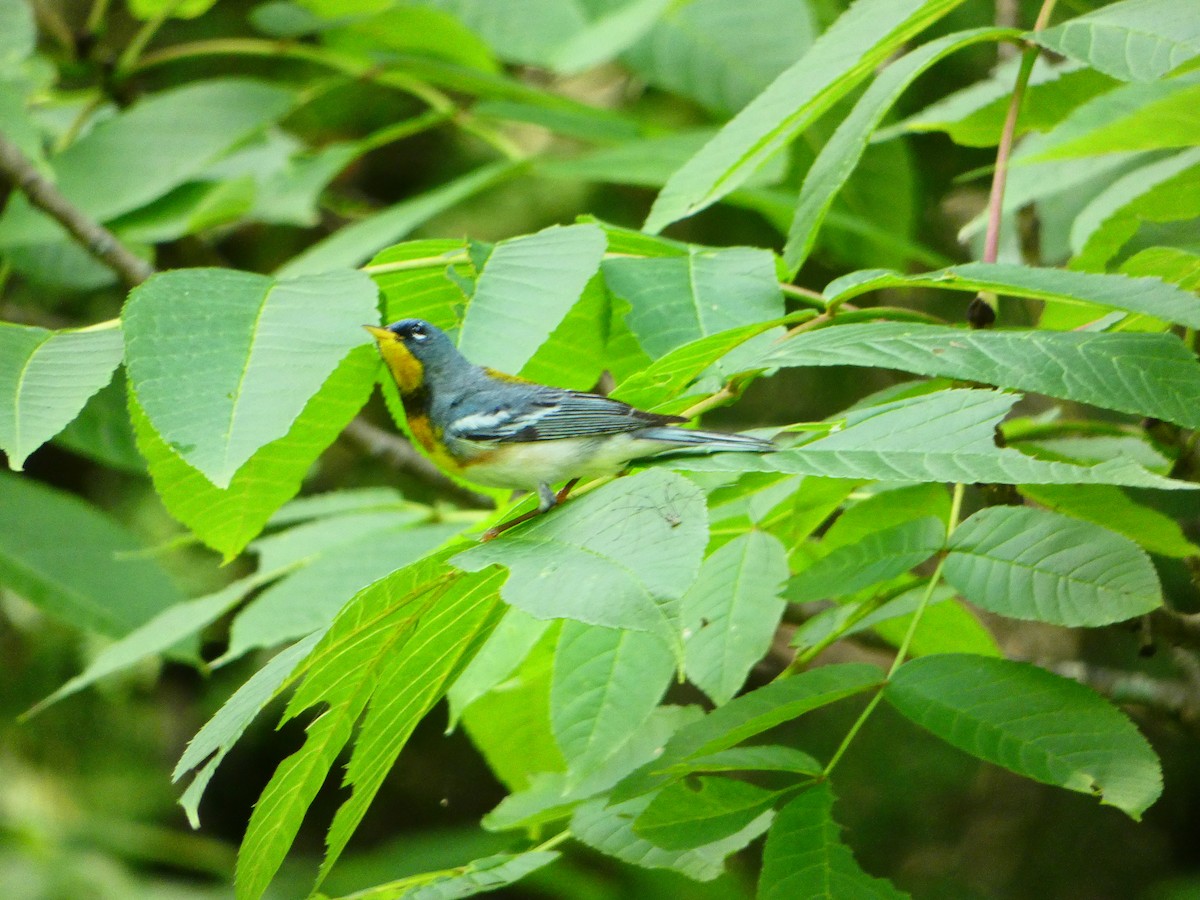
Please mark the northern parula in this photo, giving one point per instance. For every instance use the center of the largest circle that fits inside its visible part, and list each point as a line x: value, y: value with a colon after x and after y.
x: 502, y: 431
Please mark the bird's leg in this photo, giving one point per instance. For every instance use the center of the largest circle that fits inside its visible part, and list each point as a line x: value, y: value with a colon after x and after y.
x: 566, y: 489
x: 547, y: 500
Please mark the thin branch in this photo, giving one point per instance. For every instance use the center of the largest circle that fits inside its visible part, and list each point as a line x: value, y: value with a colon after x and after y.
x: 399, y: 453
x: 991, y: 242
x: 92, y: 236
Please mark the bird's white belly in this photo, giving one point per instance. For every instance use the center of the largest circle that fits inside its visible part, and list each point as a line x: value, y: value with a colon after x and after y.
x: 528, y: 464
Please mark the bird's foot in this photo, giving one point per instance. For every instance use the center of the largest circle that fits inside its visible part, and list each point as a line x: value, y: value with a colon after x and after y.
x: 566, y: 489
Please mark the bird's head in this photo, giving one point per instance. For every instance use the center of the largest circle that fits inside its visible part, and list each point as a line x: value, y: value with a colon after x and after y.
x: 414, y: 350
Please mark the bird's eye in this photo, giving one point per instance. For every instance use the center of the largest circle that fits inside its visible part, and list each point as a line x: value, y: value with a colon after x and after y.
x: 418, y: 333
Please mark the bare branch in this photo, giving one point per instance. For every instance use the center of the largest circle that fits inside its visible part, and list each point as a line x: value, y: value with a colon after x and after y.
x: 91, y: 235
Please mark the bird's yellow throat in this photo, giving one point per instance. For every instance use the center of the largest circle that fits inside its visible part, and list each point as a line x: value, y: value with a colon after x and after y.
x: 405, y: 368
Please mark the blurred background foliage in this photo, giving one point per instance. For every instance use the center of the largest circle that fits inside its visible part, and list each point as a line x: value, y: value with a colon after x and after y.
x: 455, y: 118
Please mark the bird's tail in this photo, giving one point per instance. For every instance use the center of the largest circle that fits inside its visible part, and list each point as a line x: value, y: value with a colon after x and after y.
x: 713, y: 441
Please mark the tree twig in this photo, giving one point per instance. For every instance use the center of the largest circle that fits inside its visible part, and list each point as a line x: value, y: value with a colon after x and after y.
x: 92, y: 236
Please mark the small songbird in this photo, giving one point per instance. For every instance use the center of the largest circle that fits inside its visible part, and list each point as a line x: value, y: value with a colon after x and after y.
x: 502, y: 431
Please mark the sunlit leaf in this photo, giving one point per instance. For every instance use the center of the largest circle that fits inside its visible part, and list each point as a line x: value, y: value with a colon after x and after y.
x: 541, y: 274
x: 223, y: 362
x: 228, y: 519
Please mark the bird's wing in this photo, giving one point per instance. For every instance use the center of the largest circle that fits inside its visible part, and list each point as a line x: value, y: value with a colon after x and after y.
x: 554, y: 415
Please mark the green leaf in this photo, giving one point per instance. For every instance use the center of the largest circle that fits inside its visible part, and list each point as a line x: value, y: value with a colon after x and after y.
x: 173, y: 135
x: 684, y: 815
x: 574, y: 355
x: 1034, y: 723
x: 609, y: 829
x: 974, y: 115
x: 589, y: 123
x: 621, y: 557
x: 841, y: 153
x: 307, y: 600
x: 746, y: 716
x: 1154, y: 116
x: 755, y: 758
x: 507, y: 647
x: 156, y: 636
x: 679, y: 299
x: 606, y: 684
x: 104, y: 583
x: 1111, y: 507
x: 102, y: 430
x: 1168, y: 263
x: 175, y: 9
x: 1141, y: 374
x: 45, y: 379
x: 1144, y: 295
x: 188, y: 209
x: 432, y: 290
x: 876, y: 558
x: 885, y: 507
x: 386, y: 627
x: 805, y: 857
x: 247, y: 352
x: 409, y: 684
x: 731, y: 612
x: 946, y: 436
x: 412, y: 29
x: 671, y: 373
x: 865, y: 35
x: 1032, y: 564
x: 530, y: 31
x: 15, y: 121
x: 946, y: 626
x: 230, y: 722
x: 228, y: 519
x: 18, y: 34
x: 480, y: 876
x: 1137, y: 40
x: 644, y: 161
x: 541, y: 274
x: 510, y: 726
x: 357, y: 242
x: 1162, y: 191
x: 722, y: 54
x: 551, y: 796
x: 607, y: 36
